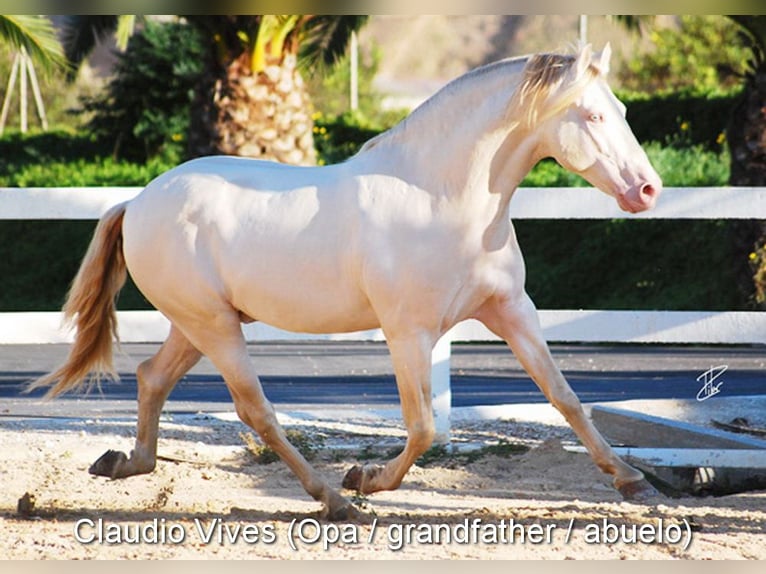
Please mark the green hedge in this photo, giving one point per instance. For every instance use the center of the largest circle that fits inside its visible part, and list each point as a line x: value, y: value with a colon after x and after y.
x: 680, y: 119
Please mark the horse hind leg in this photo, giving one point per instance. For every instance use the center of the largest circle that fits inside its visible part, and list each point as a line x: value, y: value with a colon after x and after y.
x: 221, y: 340
x: 156, y: 378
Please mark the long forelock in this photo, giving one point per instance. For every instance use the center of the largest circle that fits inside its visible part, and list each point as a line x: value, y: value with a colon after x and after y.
x: 546, y: 87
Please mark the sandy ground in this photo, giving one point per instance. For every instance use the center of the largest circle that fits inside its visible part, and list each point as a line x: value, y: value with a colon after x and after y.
x: 213, y: 500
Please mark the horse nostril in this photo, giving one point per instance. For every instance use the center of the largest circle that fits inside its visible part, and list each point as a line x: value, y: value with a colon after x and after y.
x: 648, y: 192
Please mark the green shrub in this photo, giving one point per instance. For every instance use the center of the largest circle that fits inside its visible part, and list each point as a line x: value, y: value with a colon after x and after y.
x: 634, y: 264
x: 99, y: 172
x: 145, y: 110
x: 695, y: 166
x: 691, y: 167
x: 39, y: 259
x: 681, y: 119
x: 701, y: 53
x: 338, y: 138
x: 18, y: 150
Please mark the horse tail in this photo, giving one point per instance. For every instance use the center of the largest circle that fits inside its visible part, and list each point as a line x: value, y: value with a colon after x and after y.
x: 90, y: 308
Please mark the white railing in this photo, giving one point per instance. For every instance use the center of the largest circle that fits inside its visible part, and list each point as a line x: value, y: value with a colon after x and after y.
x: 529, y: 203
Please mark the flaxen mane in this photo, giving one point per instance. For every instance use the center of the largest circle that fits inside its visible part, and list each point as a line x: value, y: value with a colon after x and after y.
x: 541, y: 93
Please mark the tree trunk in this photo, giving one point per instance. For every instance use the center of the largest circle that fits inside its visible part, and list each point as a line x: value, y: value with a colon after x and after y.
x: 266, y: 115
x: 747, y: 133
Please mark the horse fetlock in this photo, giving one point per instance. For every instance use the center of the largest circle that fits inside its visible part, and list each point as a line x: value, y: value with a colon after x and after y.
x: 353, y: 478
x: 337, y: 508
x: 363, y: 479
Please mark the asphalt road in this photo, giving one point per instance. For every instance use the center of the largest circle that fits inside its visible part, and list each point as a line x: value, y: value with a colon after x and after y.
x: 342, y: 374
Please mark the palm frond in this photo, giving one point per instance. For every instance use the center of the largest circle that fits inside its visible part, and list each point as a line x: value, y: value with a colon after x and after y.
x: 325, y: 38
x: 632, y: 22
x: 81, y: 34
x: 126, y: 25
x: 755, y: 27
x: 37, y: 35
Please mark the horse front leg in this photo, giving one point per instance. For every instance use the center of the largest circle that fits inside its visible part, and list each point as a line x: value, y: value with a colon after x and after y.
x: 515, y: 320
x: 156, y: 378
x: 411, y: 357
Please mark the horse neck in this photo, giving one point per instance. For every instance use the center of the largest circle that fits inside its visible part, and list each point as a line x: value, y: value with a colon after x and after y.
x: 463, y: 140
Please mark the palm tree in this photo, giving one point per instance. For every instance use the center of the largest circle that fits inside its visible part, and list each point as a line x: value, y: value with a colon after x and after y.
x: 747, y: 127
x: 251, y: 99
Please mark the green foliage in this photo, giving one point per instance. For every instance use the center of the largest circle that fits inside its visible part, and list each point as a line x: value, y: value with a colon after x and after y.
x: 338, y: 138
x: 633, y: 264
x: 39, y: 259
x: 338, y: 131
x: 101, y: 172
x: 37, y: 35
x: 330, y: 87
x: 677, y: 168
x: 444, y: 456
x: 62, y: 159
x: 18, y: 150
x: 680, y: 119
x: 694, y: 166
x: 145, y: 110
x: 706, y: 53
x: 58, y: 95
x: 306, y: 444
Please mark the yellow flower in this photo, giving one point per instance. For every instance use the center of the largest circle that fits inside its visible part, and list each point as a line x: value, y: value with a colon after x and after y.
x: 753, y: 256
x: 684, y: 126
x: 177, y: 137
x: 721, y: 138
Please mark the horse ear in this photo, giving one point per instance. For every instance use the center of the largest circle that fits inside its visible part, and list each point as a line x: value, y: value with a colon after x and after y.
x: 584, y: 59
x: 606, y: 54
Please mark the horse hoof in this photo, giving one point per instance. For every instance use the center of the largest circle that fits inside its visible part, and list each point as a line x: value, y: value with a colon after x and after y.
x: 639, y: 491
x: 108, y: 463
x: 353, y: 478
x: 345, y: 512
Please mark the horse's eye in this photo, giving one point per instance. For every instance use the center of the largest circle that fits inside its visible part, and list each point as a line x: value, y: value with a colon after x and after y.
x: 596, y: 118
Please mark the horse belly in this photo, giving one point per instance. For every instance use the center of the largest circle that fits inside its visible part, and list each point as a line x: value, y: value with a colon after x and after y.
x: 302, y: 299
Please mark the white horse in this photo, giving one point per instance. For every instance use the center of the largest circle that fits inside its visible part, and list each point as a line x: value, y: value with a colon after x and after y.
x: 412, y: 235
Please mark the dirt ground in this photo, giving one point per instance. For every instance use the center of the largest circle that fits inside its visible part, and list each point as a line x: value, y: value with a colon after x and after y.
x: 209, y: 498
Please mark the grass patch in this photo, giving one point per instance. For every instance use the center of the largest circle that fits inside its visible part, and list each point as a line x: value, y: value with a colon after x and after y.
x: 307, y: 445
x: 443, y: 455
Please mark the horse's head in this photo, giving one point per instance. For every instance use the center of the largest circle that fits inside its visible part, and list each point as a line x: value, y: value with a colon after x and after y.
x: 586, y: 132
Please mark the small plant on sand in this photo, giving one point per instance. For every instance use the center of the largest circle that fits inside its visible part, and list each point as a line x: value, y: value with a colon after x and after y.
x: 306, y: 444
